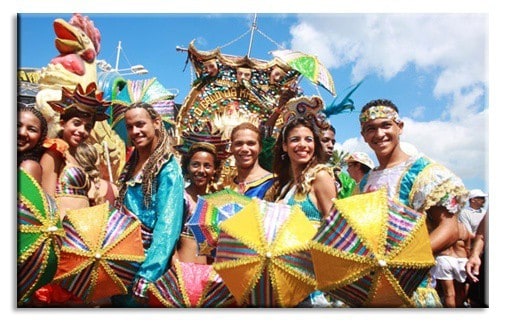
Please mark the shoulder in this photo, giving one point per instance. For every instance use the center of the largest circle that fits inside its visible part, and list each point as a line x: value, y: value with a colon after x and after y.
x: 33, y: 168
x: 56, y: 145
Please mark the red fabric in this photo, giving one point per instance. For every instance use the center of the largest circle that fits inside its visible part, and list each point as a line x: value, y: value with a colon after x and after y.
x: 55, y: 294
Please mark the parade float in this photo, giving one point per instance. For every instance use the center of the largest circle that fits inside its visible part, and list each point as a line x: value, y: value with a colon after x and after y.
x: 228, y: 90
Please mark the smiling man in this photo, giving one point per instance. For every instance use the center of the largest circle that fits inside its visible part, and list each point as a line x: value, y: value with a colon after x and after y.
x: 415, y: 181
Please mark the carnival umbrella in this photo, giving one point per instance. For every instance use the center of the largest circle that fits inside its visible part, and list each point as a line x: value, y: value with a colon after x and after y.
x: 309, y: 66
x: 148, y: 91
x: 210, y: 211
x: 190, y: 285
x: 39, y: 237
x: 101, y: 252
x: 372, y: 252
x: 263, y: 255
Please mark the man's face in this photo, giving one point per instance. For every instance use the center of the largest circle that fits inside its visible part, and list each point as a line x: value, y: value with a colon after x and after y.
x: 477, y: 202
x: 243, y: 73
x: 328, y: 142
x: 382, y: 135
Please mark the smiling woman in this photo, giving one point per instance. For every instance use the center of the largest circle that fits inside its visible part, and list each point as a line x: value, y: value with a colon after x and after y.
x: 152, y: 190
x: 299, y: 162
x: 32, y: 131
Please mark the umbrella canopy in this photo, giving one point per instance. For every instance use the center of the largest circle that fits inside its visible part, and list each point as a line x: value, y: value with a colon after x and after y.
x: 101, y: 252
x: 39, y: 236
x: 149, y: 91
x: 372, y: 252
x: 263, y: 255
x: 210, y: 211
x: 309, y: 66
x: 190, y: 285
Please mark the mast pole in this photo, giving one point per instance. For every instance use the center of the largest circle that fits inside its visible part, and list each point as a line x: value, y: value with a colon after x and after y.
x: 253, y: 27
x: 118, y: 54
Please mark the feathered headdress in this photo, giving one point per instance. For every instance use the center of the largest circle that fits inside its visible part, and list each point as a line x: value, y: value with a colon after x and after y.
x: 88, y: 101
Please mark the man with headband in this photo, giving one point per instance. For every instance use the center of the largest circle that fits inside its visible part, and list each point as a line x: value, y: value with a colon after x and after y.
x: 415, y: 181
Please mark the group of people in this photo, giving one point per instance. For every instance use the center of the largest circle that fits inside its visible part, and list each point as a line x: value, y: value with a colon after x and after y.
x: 161, y: 189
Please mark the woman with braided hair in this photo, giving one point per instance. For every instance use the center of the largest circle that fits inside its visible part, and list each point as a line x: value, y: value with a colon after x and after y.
x: 100, y: 190
x: 152, y: 189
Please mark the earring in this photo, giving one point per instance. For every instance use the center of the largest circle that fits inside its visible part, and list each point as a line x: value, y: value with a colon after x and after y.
x: 283, y: 156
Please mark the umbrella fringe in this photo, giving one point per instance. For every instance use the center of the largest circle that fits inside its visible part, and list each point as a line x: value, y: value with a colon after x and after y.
x: 393, y: 281
x: 40, y: 273
x: 34, y: 246
x: 295, y: 273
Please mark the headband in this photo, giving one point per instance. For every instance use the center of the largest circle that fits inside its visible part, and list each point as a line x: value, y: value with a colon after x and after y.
x: 379, y: 112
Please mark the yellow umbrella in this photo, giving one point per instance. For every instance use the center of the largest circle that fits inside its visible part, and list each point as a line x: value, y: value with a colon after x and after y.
x: 263, y: 255
x: 372, y: 252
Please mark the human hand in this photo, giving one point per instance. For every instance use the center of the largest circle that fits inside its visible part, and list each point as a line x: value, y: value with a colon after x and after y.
x: 473, y: 267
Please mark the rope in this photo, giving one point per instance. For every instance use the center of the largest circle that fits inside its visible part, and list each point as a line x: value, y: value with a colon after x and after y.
x: 235, y: 40
x: 273, y: 41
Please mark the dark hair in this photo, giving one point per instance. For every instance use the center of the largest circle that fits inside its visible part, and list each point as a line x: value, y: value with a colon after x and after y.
x: 197, y: 147
x: 36, y: 152
x: 282, y: 165
x: 331, y: 128
x: 74, y: 113
x: 377, y: 102
x: 163, y: 151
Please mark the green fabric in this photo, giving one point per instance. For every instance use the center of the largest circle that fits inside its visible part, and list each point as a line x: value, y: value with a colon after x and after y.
x: 347, y: 183
x: 266, y: 154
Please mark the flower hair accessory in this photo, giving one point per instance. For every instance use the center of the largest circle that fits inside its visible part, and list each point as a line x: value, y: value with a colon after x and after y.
x: 309, y: 108
x: 379, y: 112
x: 88, y: 101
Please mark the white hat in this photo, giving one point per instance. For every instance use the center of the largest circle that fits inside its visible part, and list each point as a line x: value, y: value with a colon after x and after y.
x: 361, y: 158
x: 477, y: 193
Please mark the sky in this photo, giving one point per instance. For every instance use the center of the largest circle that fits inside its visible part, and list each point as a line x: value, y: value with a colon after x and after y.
x: 411, y: 59
x: 433, y: 60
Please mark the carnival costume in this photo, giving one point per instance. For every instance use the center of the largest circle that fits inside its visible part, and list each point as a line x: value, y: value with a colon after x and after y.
x: 419, y: 183
x: 161, y: 222
x: 257, y: 188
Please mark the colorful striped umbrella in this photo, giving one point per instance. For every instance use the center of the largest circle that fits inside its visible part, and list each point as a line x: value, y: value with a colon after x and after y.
x: 263, y: 255
x: 211, y: 210
x: 372, y: 252
x: 39, y: 237
x: 309, y: 66
x: 190, y: 285
x: 101, y: 252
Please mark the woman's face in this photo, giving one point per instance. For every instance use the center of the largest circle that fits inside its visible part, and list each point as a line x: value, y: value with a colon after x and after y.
x: 245, y: 147
x: 29, y: 131
x: 300, y: 145
x: 141, y: 129
x: 76, y: 130
x: 201, y: 169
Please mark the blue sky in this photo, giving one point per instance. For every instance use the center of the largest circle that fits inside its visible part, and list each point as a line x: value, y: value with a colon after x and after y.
x: 445, y: 71
x: 411, y: 59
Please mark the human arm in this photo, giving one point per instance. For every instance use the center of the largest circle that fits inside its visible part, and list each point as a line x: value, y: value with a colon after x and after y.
x: 51, y: 162
x: 325, y: 191
x: 166, y: 228
x: 33, y: 168
x: 444, y: 228
x: 267, y: 126
x: 474, y: 262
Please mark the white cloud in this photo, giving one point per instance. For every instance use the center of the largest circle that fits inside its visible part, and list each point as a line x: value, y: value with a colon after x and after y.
x: 449, y: 50
x: 459, y: 146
